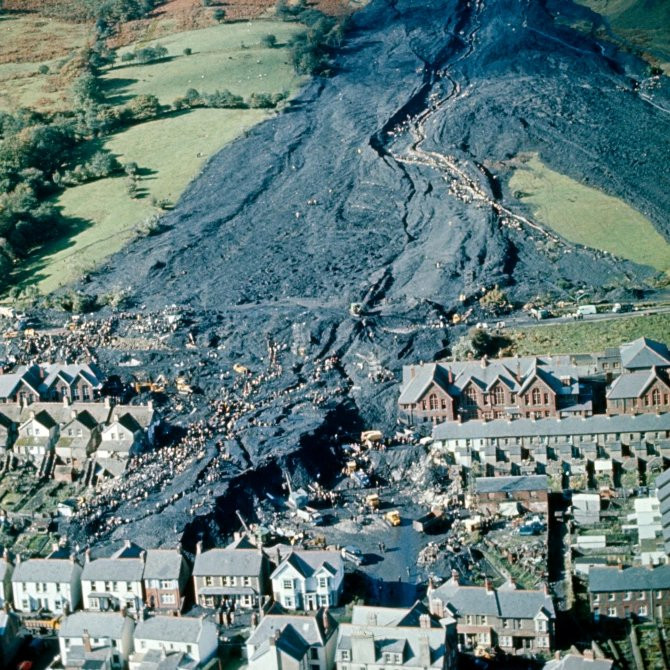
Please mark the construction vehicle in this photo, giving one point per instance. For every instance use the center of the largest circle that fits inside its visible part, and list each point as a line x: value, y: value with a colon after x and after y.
x: 372, y: 436
x: 350, y: 467
x: 149, y: 386
x: 183, y: 387
x: 392, y: 518
x: 372, y: 501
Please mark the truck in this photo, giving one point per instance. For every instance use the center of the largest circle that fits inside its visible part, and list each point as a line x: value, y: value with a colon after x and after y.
x: 427, y: 521
x: 586, y: 310
x: 392, y: 518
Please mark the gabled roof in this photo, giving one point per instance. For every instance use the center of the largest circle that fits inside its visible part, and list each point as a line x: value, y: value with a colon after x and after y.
x: 506, y: 603
x: 59, y: 570
x: 85, y: 419
x: 634, y: 384
x: 126, y: 420
x: 300, y: 631
x: 43, y: 418
x: 97, y: 624
x: 629, y: 579
x: 113, y: 569
x: 174, y: 629
x: 228, y: 562
x: 401, y: 617
x: 68, y: 373
x: 10, y: 382
x: 644, y: 353
x: 308, y: 563
x: 425, y: 377
x: 163, y: 564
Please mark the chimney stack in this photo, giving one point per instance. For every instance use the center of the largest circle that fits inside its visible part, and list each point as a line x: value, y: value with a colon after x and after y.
x: 424, y: 621
x: 488, y: 585
x: 66, y: 402
x: 454, y: 577
x: 86, y: 641
x: 198, y: 547
x: 87, y: 555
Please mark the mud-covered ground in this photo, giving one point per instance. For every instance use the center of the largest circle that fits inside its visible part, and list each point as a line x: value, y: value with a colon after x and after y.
x: 385, y: 185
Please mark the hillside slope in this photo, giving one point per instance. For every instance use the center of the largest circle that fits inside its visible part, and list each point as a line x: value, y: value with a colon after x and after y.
x: 385, y: 186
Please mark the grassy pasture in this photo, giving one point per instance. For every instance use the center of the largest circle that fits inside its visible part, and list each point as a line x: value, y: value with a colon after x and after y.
x: 581, y: 336
x: 218, y: 61
x: 589, y: 217
x: 170, y: 153
x: 645, y: 23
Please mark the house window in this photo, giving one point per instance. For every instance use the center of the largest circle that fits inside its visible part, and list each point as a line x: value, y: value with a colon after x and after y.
x: 470, y: 397
x: 656, y: 397
x: 287, y: 584
x: 166, y: 584
x: 323, y: 582
x: 246, y: 581
x: 640, y: 595
x: 498, y: 396
x: 541, y: 625
x: 189, y: 648
x: 642, y: 610
x: 612, y: 611
x: 168, y: 598
x: 432, y: 401
x: 314, y: 653
x: 208, y: 581
x: 505, y: 641
x: 659, y: 594
x: 546, y: 398
x: 86, y: 393
x: 536, y: 396
x: 611, y: 596
x: 323, y: 601
x: 345, y: 655
x: 543, y: 641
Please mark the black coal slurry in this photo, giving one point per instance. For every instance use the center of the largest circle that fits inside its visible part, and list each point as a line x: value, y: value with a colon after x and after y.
x: 384, y: 186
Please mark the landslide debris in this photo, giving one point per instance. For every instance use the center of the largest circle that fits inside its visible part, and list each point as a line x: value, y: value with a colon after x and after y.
x: 385, y: 186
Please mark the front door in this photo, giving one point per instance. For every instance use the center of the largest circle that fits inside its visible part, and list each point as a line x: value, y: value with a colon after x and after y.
x: 310, y: 601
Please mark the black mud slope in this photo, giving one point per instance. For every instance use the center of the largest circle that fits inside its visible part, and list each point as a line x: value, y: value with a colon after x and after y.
x: 384, y: 185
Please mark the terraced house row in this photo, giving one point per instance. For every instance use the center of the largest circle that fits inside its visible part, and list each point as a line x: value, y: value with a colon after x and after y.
x: 630, y: 379
x: 62, y: 436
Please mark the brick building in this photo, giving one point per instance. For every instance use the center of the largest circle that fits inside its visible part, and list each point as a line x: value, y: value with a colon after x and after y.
x: 618, y: 592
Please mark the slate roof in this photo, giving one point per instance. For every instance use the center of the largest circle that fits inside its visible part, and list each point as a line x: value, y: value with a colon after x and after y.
x: 644, y: 353
x: 42, y: 417
x: 173, y: 629
x: 511, y: 484
x: 163, y: 564
x: 307, y: 563
x: 597, y: 424
x: 578, y: 662
x: 634, y: 384
x: 516, y: 373
x: 98, y: 624
x: 113, y: 570
x: 507, y: 603
x: 629, y: 579
x: 222, y: 562
x: 69, y: 373
x: 296, y: 633
x: 142, y: 414
x: 393, y: 616
x: 45, y: 570
x: 9, y: 382
x: 406, y: 640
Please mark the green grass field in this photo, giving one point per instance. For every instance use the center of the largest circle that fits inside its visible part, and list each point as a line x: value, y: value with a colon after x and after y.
x: 587, y: 216
x: 171, y: 150
x: 582, y: 336
x: 645, y: 23
x: 219, y: 60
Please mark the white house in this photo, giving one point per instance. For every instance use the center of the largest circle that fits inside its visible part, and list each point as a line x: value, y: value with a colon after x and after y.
x: 103, y: 639
x: 114, y: 583
x: 51, y: 583
x: 37, y: 436
x: 384, y: 637
x: 293, y: 642
x: 308, y: 580
x: 185, y: 641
